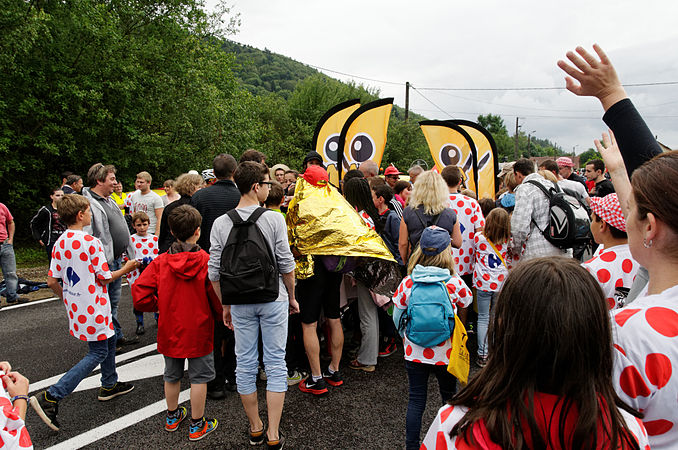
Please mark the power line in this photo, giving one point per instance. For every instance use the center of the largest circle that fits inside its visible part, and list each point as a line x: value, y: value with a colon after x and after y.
x: 426, y: 98
x: 356, y: 76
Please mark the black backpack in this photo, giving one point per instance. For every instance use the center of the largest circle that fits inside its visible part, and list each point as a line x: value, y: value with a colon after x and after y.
x: 569, y: 221
x: 249, y: 270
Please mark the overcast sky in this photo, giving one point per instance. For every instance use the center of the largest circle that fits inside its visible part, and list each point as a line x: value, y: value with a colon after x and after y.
x: 483, y: 44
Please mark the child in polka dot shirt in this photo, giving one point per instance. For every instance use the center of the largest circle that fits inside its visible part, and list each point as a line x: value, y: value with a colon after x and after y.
x: 78, y: 261
x: 145, y: 250
x: 492, y: 260
x: 431, y: 262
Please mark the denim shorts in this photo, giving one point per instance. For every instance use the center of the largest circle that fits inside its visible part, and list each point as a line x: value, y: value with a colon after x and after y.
x: 200, y: 370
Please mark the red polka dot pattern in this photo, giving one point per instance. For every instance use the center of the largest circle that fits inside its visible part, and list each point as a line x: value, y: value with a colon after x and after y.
x: 631, y: 382
x: 663, y: 320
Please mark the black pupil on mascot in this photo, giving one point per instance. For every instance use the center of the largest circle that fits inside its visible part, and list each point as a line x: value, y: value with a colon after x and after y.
x: 332, y: 148
x: 362, y: 148
x: 449, y: 155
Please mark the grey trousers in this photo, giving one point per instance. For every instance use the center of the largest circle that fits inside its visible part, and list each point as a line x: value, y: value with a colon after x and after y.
x: 369, y: 326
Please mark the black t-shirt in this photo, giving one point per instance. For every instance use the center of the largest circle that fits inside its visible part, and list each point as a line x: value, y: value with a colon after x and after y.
x: 602, y: 188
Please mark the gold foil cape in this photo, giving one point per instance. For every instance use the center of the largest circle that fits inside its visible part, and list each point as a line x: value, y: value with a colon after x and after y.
x: 321, y: 222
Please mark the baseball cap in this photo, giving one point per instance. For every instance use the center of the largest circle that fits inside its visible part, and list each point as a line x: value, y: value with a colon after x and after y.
x: 392, y: 170
x: 434, y: 240
x: 609, y: 209
x: 564, y: 161
x: 311, y: 156
x: 316, y: 175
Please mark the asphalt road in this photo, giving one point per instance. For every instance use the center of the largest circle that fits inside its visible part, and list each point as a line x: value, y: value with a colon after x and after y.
x: 367, y: 412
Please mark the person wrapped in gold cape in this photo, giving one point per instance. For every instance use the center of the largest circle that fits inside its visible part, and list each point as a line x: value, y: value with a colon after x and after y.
x: 320, y: 222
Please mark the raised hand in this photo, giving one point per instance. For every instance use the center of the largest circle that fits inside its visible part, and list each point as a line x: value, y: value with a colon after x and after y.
x: 596, y: 77
x: 614, y: 162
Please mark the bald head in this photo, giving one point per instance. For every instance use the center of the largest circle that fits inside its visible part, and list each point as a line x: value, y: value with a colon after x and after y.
x: 369, y: 169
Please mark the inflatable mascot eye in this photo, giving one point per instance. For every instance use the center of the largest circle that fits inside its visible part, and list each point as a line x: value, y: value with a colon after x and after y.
x: 362, y: 148
x: 330, y: 148
x: 450, y: 155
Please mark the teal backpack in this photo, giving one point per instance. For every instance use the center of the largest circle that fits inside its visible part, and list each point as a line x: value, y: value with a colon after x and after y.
x: 429, y: 318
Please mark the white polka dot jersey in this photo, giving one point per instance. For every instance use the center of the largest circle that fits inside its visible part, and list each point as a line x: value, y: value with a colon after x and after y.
x: 13, y: 431
x: 144, y: 247
x: 470, y: 217
x: 613, y: 267
x: 645, y: 335
x: 78, y: 260
x: 460, y: 295
x: 489, y: 272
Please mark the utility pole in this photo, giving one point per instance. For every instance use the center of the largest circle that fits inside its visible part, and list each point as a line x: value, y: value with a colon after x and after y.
x: 515, y: 152
x: 407, y: 100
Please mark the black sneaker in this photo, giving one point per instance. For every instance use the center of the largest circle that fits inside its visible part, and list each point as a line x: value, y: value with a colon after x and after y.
x: 277, y: 444
x: 120, y: 388
x: 18, y: 301
x: 257, y: 437
x: 230, y: 385
x: 313, y: 387
x: 140, y: 329
x: 47, y: 409
x: 127, y: 341
x: 335, y: 379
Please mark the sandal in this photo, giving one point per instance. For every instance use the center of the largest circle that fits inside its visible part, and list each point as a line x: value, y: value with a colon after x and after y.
x: 355, y: 365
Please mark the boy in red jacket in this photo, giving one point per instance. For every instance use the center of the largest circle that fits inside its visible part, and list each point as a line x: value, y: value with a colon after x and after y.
x: 175, y: 284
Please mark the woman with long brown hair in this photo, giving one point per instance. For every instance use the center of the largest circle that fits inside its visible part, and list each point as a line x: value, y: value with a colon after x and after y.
x: 548, y: 379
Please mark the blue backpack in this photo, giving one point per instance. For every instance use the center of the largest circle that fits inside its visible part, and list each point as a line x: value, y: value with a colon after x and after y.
x: 429, y: 318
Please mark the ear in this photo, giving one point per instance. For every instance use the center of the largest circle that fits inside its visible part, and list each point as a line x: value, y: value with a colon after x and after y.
x: 651, y: 226
x: 197, y: 232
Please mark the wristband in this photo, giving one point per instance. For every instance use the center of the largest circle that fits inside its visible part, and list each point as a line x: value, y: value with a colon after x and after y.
x: 20, y: 397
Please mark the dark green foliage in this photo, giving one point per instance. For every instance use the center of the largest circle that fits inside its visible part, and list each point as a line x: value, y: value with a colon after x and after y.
x: 587, y: 156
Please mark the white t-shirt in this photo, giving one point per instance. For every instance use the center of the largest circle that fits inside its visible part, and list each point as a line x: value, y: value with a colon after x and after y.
x: 144, y: 246
x: 489, y: 271
x: 613, y: 267
x: 645, y: 375
x: 13, y: 431
x: 460, y: 295
x: 148, y: 203
x: 78, y: 259
x: 470, y: 217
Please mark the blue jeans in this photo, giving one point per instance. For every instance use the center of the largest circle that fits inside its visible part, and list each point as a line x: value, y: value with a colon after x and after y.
x: 100, y: 352
x: 114, y: 289
x: 8, y: 263
x: 271, y: 318
x: 485, y: 301
x: 417, y: 375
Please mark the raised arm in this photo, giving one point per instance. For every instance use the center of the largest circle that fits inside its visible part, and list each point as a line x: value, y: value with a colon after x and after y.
x: 596, y: 77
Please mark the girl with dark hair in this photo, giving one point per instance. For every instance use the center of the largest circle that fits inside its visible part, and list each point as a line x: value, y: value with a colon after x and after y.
x: 548, y: 379
x: 357, y: 192
x: 402, y: 190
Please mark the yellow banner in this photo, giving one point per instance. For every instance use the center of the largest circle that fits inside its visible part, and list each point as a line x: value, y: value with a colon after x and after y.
x: 486, y: 151
x: 451, y: 145
x: 363, y: 137
x: 326, y: 137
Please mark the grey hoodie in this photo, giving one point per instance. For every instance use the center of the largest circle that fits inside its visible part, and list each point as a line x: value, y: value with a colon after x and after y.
x: 99, y: 228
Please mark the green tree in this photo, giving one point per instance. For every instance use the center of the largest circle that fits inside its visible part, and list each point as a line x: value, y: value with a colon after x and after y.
x: 588, y: 155
x: 495, y: 125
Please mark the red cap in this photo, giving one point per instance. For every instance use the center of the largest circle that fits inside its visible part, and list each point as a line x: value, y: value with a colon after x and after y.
x: 609, y: 209
x: 316, y: 175
x: 392, y: 170
x: 564, y: 161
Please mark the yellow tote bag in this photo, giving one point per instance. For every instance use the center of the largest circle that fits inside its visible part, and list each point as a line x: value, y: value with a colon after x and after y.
x: 460, y: 362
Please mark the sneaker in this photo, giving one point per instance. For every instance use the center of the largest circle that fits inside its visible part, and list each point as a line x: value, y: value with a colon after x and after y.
x: 18, y: 301
x: 202, y: 429
x: 230, y: 385
x: 120, y: 388
x: 172, y: 422
x: 334, y: 379
x: 140, y: 329
x: 127, y: 341
x: 389, y: 349
x: 46, y: 409
x: 277, y: 444
x: 313, y: 387
x: 355, y: 365
x: 295, y: 377
x: 481, y: 361
x: 216, y: 394
x: 257, y: 437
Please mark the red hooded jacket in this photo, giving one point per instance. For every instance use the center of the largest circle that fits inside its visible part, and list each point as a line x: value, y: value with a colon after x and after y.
x: 176, y: 286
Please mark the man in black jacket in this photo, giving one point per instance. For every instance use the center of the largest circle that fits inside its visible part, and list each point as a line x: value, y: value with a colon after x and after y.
x: 213, y: 202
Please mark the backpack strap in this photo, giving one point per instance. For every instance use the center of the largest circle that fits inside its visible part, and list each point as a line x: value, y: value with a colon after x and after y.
x: 419, y: 214
x: 237, y: 220
x: 548, y: 194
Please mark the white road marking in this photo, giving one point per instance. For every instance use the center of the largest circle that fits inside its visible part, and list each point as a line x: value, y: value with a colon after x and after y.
x: 37, y: 302
x: 121, y: 423
x: 42, y: 384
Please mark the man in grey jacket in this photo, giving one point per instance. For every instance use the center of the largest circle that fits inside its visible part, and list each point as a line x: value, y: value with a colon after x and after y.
x: 109, y: 226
